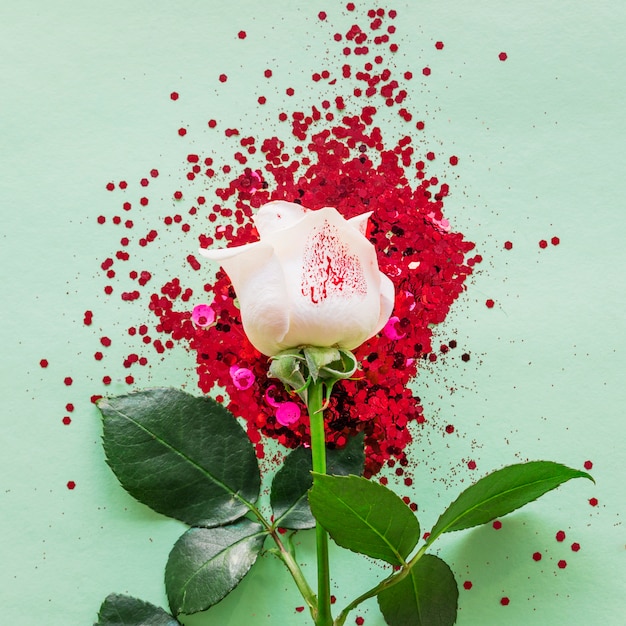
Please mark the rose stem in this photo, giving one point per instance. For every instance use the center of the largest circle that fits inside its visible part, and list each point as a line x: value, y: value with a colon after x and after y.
x: 318, y: 452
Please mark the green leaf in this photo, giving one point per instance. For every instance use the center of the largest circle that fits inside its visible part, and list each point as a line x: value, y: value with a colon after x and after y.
x: 205, y: 564
x: 364, y: 516
x: 428, y: 596
x: 185, y: 457
x: 501, y: 492
x: 119, y: 610
x: 293, y: 480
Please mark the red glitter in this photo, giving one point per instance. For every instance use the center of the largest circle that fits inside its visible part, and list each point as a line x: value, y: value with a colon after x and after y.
x: 543, y: 243
x: 359, y: 621
x: 562, y: 564
x: 472, y: 465
x: 350, y: 6
x: 68, y: 381
x: 43, y: 363
x: 71, y: 484
x: 504, y: 601
x: 223, y: 78
x: 321, y: 15
x: 593, y: 501
x: 588, y: 465
x: 537, y: 556
x: 560, y: 536
x: 467, y: 585
x: 497, y: 525
x: 439, y: 45
x: 575, y: 547
x: 182, y: 132
x: 242, y: 34
x: 174, y: 95
x: 489, y: 303
x: 508, y: 245
x: 67, y: 420
x: 299, y: 609
x: 555, y: 241
x: 105, y: 341
x: 503, y: 56
x: 426, y: 71
x: 449, y: 429
x: 69, y: 407
x: 110, y: 186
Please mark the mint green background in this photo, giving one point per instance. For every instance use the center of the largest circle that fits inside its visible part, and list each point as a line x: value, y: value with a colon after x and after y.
x: 84, y: 99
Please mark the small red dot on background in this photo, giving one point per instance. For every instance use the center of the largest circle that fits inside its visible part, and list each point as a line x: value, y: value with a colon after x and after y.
x: 43, y: 363
x: 154, y: 173
x: 359, y: 621
x: 588, y: 465
x: 182, y: 132
x: 467, y: 584
x: 408, y: 75
x: 71, y: 484
x: 105, y: 341
x: 178, y: 195
x: 290, y: 91
x: 560, y: 536
x: 593, y: 501
x: 129, y: 380
x: 267, y: 73
x: 242, y: 34
x: 68, y: 380
x: 110, y: 186
x: 543, y: 243
x: 449, y: 429
x: 420, y: 126
x: 497, y: 524
x: 123, y: 184
x: 508, y: 245
x: 144, y: 182
x: 555, y: 241
x: 439, y: 45
x: 537, y: 556
x: 262, y: 100
x: 575, y: 547
x: 299, y: 609
x: 67, y: 420
x: 454, y: 160
x: 562, y: 564
x: 174, y: 95
x: 321, y: 15
x: 350, y: 6
x: 223, y: 78
x: 489, y: 303
x: 212, y: 123
x: 426, y: 71
x: 502, y: 56
x: 101, y: 219
x: 504, y: 601
x: 472, y: 465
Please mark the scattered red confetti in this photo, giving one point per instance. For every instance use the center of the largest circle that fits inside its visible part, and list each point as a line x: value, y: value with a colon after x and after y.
x: 174, y: 95
x: 67, y: 420
x: 359, y: 621
x: 593, y: 501
x: 242, y: 35
x: 588, y: 465
x: 69, y: 407
x: 543, y: 243
x: 105, y: 341
x: 110, y: 186
x: 472, y: 465
x: 299, y: 609
x: 508, y: 245
x: 555, y: 241
x: 468, y: 585
x: 560, y: 536
x: 575, y: 547
x: 43, y: 363
x: 426, y: 71
x: 439, y: 45
x: 71, y: 484
x: 68, y: 380
x: 322, y: 15
x: 537, y: 556
x: 504, y: 601
x: 223, y: 78
x: 562, y: 564
x: 449, y: 429
x: 497, y: 524
x: 503, y: 56
x: 350, y: 6
x: 182, y: 132
x: 489, y: 303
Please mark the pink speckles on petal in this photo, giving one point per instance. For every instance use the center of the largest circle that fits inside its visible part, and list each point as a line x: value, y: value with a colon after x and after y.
x: 202, y: 315
x: 243, y: 378
x: 288, y: 413
x: 390, y: 331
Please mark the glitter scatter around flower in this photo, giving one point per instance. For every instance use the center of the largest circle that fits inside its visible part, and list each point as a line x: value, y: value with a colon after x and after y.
x: 331, y: 153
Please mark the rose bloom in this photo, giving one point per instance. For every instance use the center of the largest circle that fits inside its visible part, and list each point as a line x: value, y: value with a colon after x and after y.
x: 312, y: 279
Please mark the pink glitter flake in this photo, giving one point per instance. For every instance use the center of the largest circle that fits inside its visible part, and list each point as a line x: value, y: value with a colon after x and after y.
x: 242, y: 377
x: 288, y: 413
x: 202, y: 315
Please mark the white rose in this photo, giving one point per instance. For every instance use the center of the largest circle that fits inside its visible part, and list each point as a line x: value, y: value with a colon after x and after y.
x: 312, y: 279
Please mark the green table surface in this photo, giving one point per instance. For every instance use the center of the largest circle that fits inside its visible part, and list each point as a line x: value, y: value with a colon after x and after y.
x: 85, y: 99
